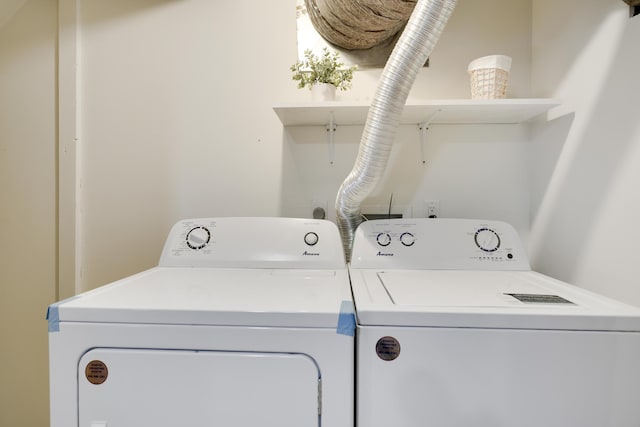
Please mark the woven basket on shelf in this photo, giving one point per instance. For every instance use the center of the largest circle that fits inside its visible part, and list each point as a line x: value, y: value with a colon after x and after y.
x: 489, y: 76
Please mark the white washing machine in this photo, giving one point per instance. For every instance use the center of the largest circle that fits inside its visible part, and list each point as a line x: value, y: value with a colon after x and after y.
x: 454, y: 329
x: 245, y: 322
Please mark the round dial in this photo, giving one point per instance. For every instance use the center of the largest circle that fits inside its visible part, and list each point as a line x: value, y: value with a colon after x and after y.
x: 407, y: 239
x: 383, y: 239
x: 311, y: 238
x: 487, y: 240
x: 198, y: 237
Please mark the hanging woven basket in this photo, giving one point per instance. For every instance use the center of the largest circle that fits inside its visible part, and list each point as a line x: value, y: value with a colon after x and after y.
x: 359, y: 24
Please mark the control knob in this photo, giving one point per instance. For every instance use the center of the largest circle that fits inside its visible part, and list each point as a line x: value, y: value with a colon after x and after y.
x: 487, y: 239
x: 407, y: 239
x: 198, y: 237
x: 311, y: 238
x: 383, y: 239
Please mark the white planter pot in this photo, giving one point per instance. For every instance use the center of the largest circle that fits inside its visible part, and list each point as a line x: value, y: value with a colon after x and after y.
x: 323, y: 92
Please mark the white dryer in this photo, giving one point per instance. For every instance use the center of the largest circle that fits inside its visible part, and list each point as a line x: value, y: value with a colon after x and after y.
x: 245, y: 322
x: 454, y: 329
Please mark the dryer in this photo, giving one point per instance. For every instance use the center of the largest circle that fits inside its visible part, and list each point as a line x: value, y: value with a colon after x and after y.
x: 454, y: 329
x: 244, y: 322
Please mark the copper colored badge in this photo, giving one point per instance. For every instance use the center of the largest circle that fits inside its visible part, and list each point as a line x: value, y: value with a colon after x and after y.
x: 96, y: 372
x: 388, y: 348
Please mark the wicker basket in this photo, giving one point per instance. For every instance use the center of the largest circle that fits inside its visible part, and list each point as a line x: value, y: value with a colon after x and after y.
x: 489, y: 76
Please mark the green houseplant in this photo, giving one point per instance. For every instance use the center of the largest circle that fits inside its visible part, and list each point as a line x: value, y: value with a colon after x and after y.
x: 325, y: 68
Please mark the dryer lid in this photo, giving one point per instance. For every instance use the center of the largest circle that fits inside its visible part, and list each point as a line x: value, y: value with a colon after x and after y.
x: 484, y: 299
x: 216, y: 296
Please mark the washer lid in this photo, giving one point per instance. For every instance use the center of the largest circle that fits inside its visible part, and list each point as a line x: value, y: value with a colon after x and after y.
x: 484, y: 299
x: 215, y: 296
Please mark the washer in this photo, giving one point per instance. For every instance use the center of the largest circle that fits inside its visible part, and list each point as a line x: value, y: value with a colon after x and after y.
x: 246, y: 321
x: 454, y: 329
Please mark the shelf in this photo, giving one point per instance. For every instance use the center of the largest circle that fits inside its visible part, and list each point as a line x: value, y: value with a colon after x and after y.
x: 450, y: 111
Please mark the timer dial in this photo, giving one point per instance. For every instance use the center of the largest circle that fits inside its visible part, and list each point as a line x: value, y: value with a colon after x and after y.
x: 487, y: 240
x: 407, y: 239
x: 383, y: 239
x: 198, y: 237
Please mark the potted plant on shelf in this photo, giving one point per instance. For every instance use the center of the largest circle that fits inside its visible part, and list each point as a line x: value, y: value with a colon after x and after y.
x: 323, y: 74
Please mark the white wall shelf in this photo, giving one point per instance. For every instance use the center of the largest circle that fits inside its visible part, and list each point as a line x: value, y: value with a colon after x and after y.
x: 450, y: 111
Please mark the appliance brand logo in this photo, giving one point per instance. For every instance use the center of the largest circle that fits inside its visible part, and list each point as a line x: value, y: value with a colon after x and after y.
x: 306, y: 253
x: 384, y: 254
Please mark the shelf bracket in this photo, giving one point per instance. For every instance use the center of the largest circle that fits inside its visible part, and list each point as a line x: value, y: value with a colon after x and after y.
x: 424, y: 127
x: 331, y: 130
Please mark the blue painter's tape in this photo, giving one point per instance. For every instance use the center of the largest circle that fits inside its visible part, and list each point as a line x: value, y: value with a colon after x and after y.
x: 53, y: 314
x: 346, y: 319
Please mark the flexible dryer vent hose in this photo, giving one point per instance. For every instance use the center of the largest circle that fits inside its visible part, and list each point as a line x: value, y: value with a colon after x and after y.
x: 409, y: 55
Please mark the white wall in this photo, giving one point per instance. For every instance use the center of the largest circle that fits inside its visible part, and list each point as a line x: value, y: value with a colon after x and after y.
x: 27, y: 208
x: 476, y: 28
x: 473, y: 170
x: 176, y: 122
x: 586, y: 162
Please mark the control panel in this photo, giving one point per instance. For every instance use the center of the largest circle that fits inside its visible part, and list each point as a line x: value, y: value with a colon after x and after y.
x: 254, y: 243
x: 441, y: 244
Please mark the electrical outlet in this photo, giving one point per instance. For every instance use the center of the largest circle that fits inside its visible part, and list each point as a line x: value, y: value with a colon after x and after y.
x: 318, y: 209
x: 432, y: 208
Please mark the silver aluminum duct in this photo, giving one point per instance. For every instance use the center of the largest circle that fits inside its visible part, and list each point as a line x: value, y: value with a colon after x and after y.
x: 409, y: 55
